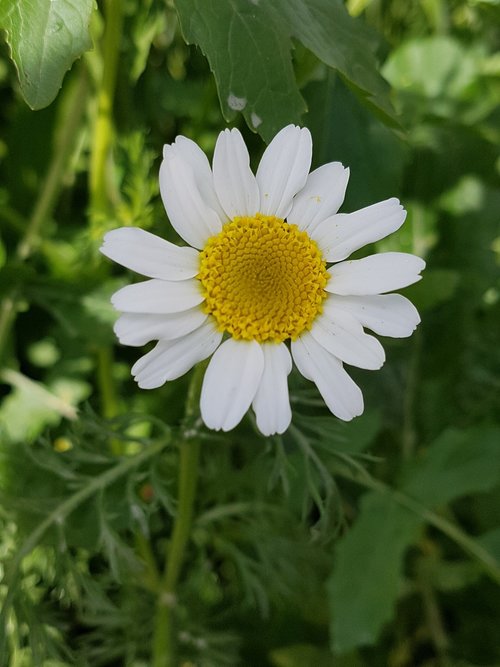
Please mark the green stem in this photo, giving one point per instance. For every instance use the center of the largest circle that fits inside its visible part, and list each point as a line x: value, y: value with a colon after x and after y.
x: 151, y: 576
x: 103, y: 127
x: 409, y: 432
x: 109, y: 399
x: 107, y: 391
x: 434, y: 618
x: 163, y: 638
x: 98, y: 182
x: 47, y: 198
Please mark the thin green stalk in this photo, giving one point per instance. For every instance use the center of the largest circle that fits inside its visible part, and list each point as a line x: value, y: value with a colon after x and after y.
x: 434, y: 619
x: 109, y: 399
x: 47, y: 198
x: 151, y: 576
x: 163, y: 638
x: 409, y: 432
x: 107, y: 390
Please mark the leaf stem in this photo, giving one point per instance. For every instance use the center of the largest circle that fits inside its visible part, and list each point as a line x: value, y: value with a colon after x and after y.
x: 163, y: 638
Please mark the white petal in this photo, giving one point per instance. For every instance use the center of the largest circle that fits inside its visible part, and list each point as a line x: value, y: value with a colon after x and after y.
x: 340, y: 393
x: 283, y: 170
x: 158, y: 296
x: 230, y: 383
x: 150, y: 255
x: 198, y: 161
x: 271, y: 403
x: 187, y: 191
x: 342, y: 335
x: 342, y: 234
x: 321, y: 197
x: 375, y: 274
x: 141, y: 328
x: 171, y: 359
x: 234, y: 181
x: 385, y: 314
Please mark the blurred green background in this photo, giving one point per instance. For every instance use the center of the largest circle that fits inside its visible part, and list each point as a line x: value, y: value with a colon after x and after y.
x: 374, y: 543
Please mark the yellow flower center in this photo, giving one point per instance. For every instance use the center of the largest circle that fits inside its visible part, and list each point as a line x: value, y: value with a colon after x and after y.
x: 263, y: 279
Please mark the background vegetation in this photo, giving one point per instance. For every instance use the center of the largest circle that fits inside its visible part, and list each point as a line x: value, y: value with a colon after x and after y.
x: 372, y: 543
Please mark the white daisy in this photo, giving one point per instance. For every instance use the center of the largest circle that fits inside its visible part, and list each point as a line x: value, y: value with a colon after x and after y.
x: 264, y: 280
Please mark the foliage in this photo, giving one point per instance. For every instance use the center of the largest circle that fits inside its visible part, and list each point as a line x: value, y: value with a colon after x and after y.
x: 370, y: 543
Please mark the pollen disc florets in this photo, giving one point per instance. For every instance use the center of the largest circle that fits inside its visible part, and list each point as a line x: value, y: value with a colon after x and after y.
x: 263, y: 279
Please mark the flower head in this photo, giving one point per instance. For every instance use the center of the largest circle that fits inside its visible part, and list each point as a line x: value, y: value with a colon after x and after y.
x: 263, y: 281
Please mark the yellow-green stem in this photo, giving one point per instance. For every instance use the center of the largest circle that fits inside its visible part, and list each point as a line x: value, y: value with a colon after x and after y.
x: 47, y: 198
x: 98, y: 181
x: 103, y: 127
x: 163, y: 638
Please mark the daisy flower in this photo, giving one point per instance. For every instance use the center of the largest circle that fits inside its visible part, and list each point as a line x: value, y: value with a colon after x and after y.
x: 263, y: 280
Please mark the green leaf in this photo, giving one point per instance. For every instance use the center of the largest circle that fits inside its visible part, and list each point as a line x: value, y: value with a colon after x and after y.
x: 248, y: 50
x: 335, y: 435
x: 45, y: 37
x: 248, y: 46
x: 342, y: 42
x: 457, y: 463
x: 491, y: 542
x: 366, y: 579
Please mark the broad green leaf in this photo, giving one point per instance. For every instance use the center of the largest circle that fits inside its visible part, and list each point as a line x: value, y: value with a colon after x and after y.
x: 366, y: 579
x: 457, y: 463
x: 248, y: 50
x: 248, y: 46
x: 343, y: 43
x: 45, y: 38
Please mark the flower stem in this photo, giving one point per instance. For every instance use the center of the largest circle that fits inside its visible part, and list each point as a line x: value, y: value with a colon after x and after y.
x: 100, y: 206
x: 107, y: 390
x: 163, y: 638
x: 103, y: 127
